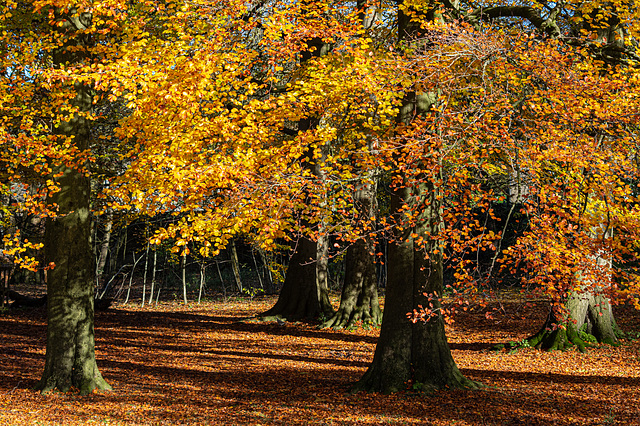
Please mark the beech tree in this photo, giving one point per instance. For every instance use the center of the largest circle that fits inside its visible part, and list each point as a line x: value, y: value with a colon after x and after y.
x: 304, y: 293
x: 359, y: 297
x: 413, y: 351
x: 58, y: 61
x: 581, y: 205
x: 50, y: 132
x: 70, y: 359
x: 537, y: 100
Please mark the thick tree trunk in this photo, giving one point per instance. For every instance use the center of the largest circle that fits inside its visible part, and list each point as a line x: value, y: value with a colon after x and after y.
x: 413, y: 353
x: 407, y: 352
x: 359, y: 300
x: 6, y: 269
x: 304, y: 293
x: 590, y: 321
x: 70, y: 356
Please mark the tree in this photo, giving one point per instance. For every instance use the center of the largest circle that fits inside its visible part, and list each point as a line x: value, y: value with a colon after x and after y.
x: 359, y: 299
x: 70, y: 358
x: 304, y: 293
x: 413, y: 351
x: 56, y: 54
x: 583, y: 201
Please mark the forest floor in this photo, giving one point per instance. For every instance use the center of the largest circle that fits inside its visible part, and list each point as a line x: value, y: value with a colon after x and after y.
x: 198, y: 364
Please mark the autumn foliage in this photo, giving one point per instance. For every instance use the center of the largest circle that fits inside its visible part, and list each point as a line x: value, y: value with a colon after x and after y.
x: 204, y: 95
x: 496, y: 142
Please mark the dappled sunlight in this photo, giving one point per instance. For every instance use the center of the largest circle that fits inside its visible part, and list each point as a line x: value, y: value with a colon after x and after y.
x: 200, y: 364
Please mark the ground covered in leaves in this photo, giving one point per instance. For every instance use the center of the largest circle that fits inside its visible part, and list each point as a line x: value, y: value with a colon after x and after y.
x: 199, y: 364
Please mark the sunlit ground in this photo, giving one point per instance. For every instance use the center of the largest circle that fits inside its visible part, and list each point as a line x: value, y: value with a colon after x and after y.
x: 198, y: 364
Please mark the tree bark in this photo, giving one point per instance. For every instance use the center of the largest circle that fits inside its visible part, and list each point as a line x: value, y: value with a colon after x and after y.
x: 153, y: 276
x: 224, y: 288
x: 359, y: 300
x: 590, y: 320
x: 6, y: 269
x: 133, y: 269
x: 235, y: 264
x: 183, y: 267
x: 104, y: 247
x: 413, y: 353
x: 304, y: 293
x: 203, y: 267
x: 70, y: 356
x: 144, y: 275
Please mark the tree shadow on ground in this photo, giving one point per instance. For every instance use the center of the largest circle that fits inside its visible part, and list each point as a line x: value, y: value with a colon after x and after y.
x: 198, y: 322
x: 193, y: 368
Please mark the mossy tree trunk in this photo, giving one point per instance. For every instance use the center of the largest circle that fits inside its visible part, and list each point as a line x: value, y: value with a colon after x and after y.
x: 589, y: 320
x: 359, y: 300
x: 70, y: 356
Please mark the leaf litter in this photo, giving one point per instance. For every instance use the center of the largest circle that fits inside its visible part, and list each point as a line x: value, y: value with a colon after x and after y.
x: 203, y: 365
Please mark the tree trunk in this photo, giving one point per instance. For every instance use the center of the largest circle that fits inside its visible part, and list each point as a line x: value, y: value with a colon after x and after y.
x: 224, y: 288
x: 144, y: 275
x: 104, y: 247
x: 304, y: 293
x: 70, y: 356
x: 184, y: 276
x: 359, y: 300
x: 235, y: 265
x: 203, y: 267
x: 413, y: 353
x: 133, y: 269
x: 255, y: 263
x: 590, y: 321
x: 267, y: 271
x: 153, y: 275
x: 163, y: 280
x: 6, y: 269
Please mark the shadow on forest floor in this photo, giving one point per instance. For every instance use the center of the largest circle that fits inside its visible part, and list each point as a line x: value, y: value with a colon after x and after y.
x: 173, y: 364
